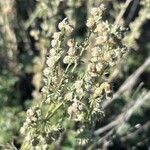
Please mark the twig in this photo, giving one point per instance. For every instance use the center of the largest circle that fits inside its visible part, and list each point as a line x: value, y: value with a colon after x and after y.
x: 137, y: 89
x: 119, y: 17
x: 134, y: 134
x: 125, y: 116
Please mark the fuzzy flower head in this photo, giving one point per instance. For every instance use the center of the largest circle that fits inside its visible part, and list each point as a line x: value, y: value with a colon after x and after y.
x: 96, y: 15
x: 65, y: 27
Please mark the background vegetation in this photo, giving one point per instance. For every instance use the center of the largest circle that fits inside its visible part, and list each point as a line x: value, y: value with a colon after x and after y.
x: 26, y: 32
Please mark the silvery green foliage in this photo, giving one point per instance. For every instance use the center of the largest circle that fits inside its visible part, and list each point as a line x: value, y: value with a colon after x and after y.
x: 75, y: 83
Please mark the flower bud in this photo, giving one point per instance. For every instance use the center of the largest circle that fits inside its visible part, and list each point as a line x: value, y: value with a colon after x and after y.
x: 97, y: 92
x: 96, y: 11
x: 56, y: 35
x: 91, y: 67
x: 99, y: 67
x: 54, y: 42
x: 65, y: 27
x: 53, y: 52
x: 67, y: 60
x: 71, y: 51
x: 90, y: 22
x: 78, y: 84
x: 71, y: 42
x: 95, y: 51
x: 30, y: 112
x: 69, y: 96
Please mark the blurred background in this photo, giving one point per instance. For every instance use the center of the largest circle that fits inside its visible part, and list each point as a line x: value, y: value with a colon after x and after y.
x: 26, y: 28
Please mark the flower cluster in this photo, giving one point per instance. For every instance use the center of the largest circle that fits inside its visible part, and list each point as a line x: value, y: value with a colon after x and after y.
x: 71, y: 56
x: 96, y: 14
x: 32, y: 119
x: 64, y: 27
x: 73, y: 89
x: 52, y: 71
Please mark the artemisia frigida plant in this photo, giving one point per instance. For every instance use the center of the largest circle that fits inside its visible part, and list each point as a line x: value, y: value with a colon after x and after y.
x: 75, y: 84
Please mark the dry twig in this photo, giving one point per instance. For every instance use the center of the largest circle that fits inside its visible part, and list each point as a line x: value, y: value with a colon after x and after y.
x: 119, y: 17
x: 124, y: 116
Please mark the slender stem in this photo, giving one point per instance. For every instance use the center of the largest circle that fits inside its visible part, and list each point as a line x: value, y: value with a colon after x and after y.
x: 49, y: 115
x: 119, y: 17
x: 62, y: 79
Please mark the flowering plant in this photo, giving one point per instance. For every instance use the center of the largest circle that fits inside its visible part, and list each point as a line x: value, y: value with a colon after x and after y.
x: 75, y: 84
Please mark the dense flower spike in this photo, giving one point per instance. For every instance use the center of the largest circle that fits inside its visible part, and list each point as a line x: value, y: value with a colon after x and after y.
x: 73, y: 89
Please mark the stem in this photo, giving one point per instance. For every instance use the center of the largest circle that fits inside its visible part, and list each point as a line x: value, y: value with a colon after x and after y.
x: 63, y: 76
x: 119, y: 17
x: 49, y: 115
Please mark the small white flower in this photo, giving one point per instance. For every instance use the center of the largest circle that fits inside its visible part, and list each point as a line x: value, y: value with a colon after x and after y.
x: 95, y: 51
x: 71, y: 42
x: 35, y: 34
x: 30, y: 112
x: 65, y: 27
x: 54, y: 79
x: 67, y: 60
x: 68, y: 29
x: 97, y: 92
x: 56, y: 35
x: 78, y: 84
x: 72, y: 110
x: 69, y: 96
x: 99, y: 67
x: 80, y: 92
x: 100, y: 28
x: 100, y: 40
x: 53, y: 52
x: 80, y: 117
x: 44, y: 90
x: 52, y: 60
x: 90, y: 22
x: 46, y: 71
x: 102, y: 7
x: 44, y: 26
x: 106, y: 86
x: 94, y: 59
x: 106, y: 56
x: 91, y: 67
x: 71, y: 51
x: 54, y: 42
x: 95, y: 11
x: 62, y: 24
